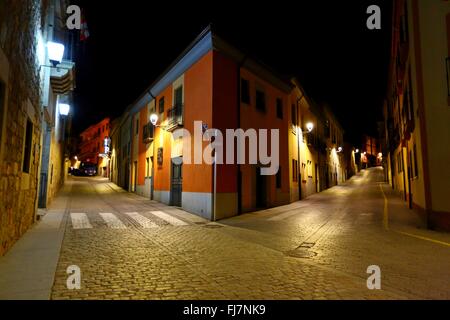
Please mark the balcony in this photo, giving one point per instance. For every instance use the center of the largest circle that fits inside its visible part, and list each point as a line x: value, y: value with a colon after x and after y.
x: 175, y: 117
x: 148, y: 133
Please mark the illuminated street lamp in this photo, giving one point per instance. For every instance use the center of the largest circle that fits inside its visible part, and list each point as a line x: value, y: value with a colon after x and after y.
x: 339, y: 149
x: 357, y: 151
x: 64, y: 109
x: 310, y: 126
x: 154, y: 119
x: 55, y: 52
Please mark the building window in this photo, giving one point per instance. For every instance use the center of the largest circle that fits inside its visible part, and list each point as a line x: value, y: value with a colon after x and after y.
x: 178, y: 97
x: 294, y: 115
x: 310, y: 175
x: 245, y: 91
x: 294, y: 170
x: 278, y: 178
x: 161, y: 105
x: 260, y: 100
x: 137, y: 126
x: 27, y: 147
x: 279, y: 108
x: 148, y: 167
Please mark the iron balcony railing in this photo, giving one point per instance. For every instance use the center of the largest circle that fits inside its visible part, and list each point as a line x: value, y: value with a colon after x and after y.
x: 175, y: 117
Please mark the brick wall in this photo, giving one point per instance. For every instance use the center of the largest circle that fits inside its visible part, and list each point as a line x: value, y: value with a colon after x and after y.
x: 20, y: 20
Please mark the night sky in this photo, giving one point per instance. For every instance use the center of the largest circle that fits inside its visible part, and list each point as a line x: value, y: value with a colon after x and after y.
x: 324, y: 43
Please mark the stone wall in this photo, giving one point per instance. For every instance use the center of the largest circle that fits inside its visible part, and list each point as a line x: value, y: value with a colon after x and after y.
x: 20, y: 21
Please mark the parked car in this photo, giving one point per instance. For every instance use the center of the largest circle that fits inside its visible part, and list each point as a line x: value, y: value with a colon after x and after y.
x: 88, y: 169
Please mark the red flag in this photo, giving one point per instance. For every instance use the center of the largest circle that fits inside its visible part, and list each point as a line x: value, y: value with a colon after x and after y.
x: 84, y: 32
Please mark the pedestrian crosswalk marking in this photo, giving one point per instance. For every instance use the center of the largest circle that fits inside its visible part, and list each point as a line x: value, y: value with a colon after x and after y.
x: 80, y: 221
x: 144, y: 222
x: 168, y: 218
x: 112, y: 221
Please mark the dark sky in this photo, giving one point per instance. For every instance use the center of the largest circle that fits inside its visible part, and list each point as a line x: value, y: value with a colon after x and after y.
x: 324, y: 43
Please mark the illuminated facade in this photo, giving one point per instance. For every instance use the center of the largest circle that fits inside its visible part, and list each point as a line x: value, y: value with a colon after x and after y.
x: 33, y: 130
x: 92, y: 148
x: 222, y: 88
x: 417, y: 108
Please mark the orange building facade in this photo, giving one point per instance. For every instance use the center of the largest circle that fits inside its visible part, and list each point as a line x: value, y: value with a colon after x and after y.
x: 92, y: 146
x: 211, y: 87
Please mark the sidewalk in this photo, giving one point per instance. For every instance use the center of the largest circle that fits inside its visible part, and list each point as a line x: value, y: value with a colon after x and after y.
x: 27, y: 271
x: 409, y: 222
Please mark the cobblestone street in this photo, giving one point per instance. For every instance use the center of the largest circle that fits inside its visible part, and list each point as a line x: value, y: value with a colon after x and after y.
x: 128, y: 247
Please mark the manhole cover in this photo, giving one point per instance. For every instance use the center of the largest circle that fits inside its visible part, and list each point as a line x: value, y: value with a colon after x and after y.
x: 301, y: 253
x: 307, y: 245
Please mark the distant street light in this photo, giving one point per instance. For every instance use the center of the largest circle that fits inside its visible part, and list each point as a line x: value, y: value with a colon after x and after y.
x: 357, y: 151
x: 339, y: 149
x: 310, y: 126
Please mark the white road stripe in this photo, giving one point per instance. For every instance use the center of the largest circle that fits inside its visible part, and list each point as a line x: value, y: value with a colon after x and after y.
x: 112, y: 221
x: 80, y: 221
x: 168, y: 218
x: 145, y: 222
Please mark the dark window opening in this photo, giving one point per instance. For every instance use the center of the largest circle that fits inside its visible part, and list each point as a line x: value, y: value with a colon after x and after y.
x: 245, y: 91
x: 178, y: 96
x: 28, y: 145
x: 278, y: 178
x: 279, y: 108
x: 260, y: 100
x: 294, y: 170
x: 161, y: 105
x: 294, y: 115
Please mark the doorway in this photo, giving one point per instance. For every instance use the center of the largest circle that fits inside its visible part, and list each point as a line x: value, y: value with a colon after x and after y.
x: 261, y: 189
x: 176, y: 187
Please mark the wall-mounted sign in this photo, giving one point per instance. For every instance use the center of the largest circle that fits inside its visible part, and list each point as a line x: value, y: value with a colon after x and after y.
x: 107, y: 144
x: 160, y: 156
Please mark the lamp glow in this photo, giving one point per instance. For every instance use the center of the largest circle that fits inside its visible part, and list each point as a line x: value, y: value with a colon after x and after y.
x: 310, y: 126
x: 357, y: 150
x: 55, y: 51
x: 64, y: 109
x: 154, y: 119
x: 340, y: 149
